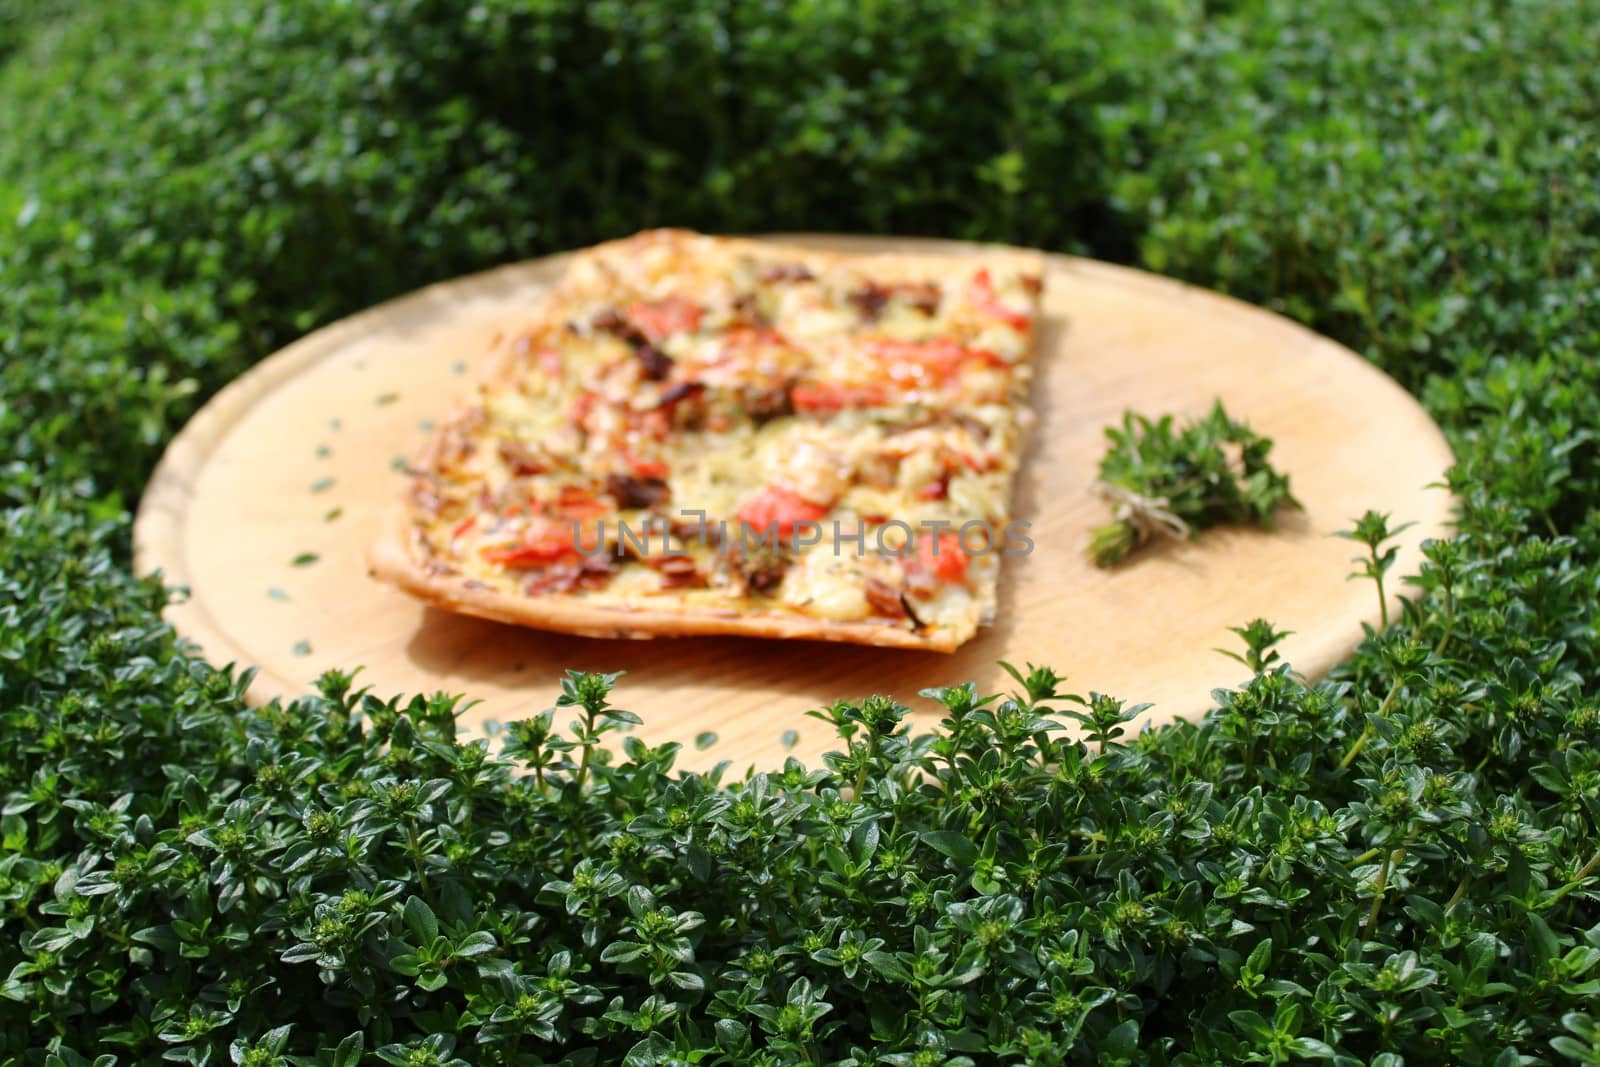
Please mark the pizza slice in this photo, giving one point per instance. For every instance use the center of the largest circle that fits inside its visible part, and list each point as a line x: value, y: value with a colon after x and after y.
x: 703, y: 435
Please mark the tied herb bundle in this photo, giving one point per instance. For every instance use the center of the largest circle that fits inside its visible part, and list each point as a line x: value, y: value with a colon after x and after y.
x: 1162, y: 481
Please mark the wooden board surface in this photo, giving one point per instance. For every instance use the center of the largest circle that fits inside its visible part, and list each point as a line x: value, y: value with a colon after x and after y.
x: 298, y: 455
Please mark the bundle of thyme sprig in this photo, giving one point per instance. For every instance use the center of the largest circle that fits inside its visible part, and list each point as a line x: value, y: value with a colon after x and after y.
x: 1164, y: 481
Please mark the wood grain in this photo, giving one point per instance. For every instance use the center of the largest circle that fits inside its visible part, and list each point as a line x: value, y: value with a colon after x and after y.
x: 250, y: 483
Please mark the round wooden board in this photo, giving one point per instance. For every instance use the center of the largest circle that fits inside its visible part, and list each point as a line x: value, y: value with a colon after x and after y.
x: 297, y: 457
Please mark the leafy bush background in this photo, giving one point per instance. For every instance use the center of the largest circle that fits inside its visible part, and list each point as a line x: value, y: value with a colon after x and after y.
x: 184, y: 186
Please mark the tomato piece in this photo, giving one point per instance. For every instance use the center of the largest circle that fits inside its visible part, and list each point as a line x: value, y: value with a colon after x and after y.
x: 828, y: 397
x: 660, y: 318
x: 936, y: 362
x: 938, y: 489
x: 580, y: 406
x: 517, y: 557
x: 655, y: 424
x: 463, y: 526
x: 971, y: 462
x: 943, y: 557
x: 754, y: 337
x: 546, y: 546
x: 776, y: 505
x: 648, y: 468
x: 542, y: 544
x: 989, y: 303
x: 576, y: 502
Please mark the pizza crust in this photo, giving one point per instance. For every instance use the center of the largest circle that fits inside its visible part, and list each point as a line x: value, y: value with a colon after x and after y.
x: 400, y: 556
x: 888, y: 267
x: 395, y: 557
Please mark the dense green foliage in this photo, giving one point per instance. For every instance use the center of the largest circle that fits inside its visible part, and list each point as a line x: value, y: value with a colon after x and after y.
x: 1394, y: 865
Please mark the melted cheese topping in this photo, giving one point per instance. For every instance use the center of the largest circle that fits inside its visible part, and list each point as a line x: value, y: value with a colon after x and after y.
x: 676, y: 379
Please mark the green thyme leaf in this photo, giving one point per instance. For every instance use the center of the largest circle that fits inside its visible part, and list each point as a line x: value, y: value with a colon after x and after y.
x: 1160, y: 479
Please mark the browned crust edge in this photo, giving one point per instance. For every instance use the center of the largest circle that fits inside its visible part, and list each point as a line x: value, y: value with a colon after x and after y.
x: 393, y: 558
x: 892, y: 265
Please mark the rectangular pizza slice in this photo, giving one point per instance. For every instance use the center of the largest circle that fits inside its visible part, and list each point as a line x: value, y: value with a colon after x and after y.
x: 705, y: 435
